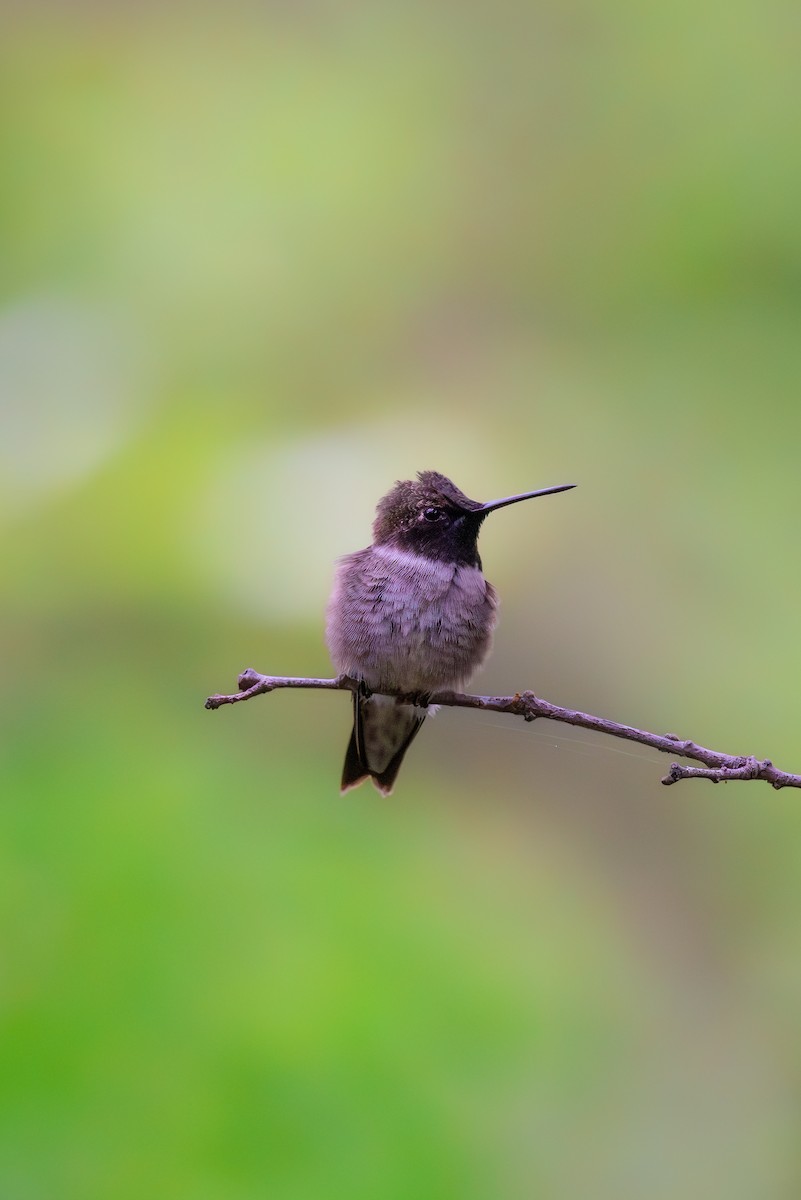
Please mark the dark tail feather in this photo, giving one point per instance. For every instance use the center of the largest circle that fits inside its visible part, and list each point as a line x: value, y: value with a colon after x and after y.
x: 357, y: 769
x: 354, y: 771
x: 386, y: 780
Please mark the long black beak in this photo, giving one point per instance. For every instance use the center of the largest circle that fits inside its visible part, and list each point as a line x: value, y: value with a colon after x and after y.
x: 493, y: 504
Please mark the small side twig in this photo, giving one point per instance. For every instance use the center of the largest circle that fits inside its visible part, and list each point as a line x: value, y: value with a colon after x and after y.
x: 717, y: 767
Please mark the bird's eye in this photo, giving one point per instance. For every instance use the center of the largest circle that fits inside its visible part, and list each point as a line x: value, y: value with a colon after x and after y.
x: 432, y: 514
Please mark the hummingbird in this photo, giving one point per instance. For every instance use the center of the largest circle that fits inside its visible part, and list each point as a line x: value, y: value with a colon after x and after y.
x: 411, y: 613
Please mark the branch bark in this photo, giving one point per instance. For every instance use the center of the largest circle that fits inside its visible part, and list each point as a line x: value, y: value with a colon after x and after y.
x: 717, y: 767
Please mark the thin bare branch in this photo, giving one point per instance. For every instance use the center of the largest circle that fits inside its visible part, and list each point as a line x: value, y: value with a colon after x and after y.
x: 718, y: 767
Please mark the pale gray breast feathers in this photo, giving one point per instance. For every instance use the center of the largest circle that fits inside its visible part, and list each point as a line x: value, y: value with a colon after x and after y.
x: 400, y: 620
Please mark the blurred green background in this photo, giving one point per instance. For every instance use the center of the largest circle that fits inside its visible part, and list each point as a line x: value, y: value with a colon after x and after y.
x: 256, y: 263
